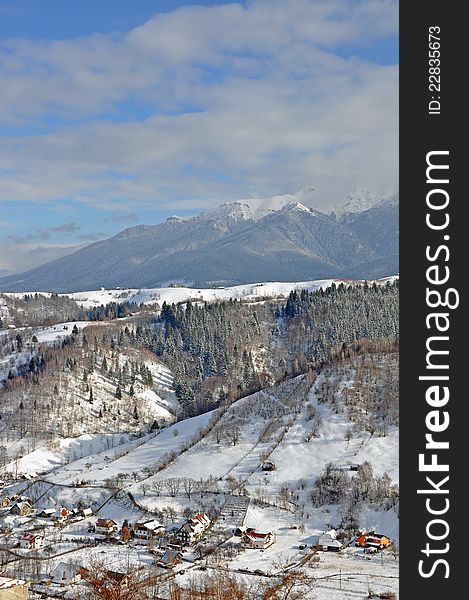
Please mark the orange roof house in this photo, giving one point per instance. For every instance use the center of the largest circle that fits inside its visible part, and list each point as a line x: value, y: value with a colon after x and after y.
x: 373, y: 540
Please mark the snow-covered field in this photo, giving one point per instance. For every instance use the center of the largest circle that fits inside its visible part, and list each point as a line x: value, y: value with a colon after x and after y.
x: 251, y: 291
x: 146, y: 454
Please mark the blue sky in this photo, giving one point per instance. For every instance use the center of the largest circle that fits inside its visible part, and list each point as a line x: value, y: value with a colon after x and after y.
x: 114, y: 113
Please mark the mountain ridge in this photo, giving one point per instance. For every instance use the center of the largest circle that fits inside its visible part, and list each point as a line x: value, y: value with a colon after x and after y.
x: 231, y: 245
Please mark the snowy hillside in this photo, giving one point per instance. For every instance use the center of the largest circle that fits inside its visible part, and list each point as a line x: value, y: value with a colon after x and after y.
x: 214, y: 463
x: 272, y: 421
x: 251, y: 292
x: 169, y: 295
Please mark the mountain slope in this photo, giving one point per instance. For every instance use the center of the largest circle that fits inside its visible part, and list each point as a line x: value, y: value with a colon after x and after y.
x: 378, y: 227
x: 236, y: 243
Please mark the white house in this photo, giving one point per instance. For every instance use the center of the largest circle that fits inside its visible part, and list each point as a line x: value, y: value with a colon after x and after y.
x: 31, y: 541
x: 105, y: 526
x: 254, y: 539
x: 143, y: 531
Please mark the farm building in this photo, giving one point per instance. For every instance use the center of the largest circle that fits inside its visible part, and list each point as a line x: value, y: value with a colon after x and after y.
x: 46, y: 513
x: 170, y: 558
x: 328, y: 541
x: 65, y: 574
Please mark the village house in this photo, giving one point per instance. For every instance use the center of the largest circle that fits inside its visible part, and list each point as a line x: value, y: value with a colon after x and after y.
x: 268, y: 466
x: 144, y: 531
x: 118, y: 581
x: 254, y: 539
x: 5, y: 529
x: 240, y: 531
x: 106, y: 526
x: 46, y: 513
x: 31, y: 541
x: 13, y: 589
x: 87, y: 512
x: 373, y: 540
x: 328, y: 541
x: 194, y: 528
x: 5, y: 502
x: 63, y: 514
x: 21, y: 508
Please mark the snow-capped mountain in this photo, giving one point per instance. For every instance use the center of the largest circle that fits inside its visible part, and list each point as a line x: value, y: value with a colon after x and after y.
x: 358, y: 201
x: 260, y: 207
x: 276, y: 239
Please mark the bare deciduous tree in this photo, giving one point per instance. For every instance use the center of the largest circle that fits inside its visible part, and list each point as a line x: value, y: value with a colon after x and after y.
x: 173, y: 486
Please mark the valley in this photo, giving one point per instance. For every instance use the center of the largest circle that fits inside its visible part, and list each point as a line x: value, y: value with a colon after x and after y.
x: 114, y: 425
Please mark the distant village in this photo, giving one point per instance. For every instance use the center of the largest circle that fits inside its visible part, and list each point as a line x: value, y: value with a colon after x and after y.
x: 27, y: 531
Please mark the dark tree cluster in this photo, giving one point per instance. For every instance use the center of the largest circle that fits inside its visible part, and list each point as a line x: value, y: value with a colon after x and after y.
x: 112, y: 310
x: 314, y: 323
x: 336, y: 486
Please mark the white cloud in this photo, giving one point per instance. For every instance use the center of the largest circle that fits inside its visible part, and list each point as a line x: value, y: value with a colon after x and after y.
x: 276, y: 107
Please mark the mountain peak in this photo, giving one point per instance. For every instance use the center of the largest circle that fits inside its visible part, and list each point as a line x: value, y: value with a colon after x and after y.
x: 229, y: 210
x: 295, y: 206
x: 358, y: 201
x: 177, y: 219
